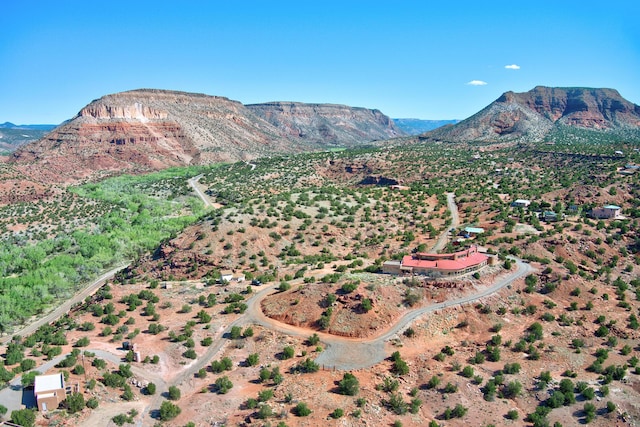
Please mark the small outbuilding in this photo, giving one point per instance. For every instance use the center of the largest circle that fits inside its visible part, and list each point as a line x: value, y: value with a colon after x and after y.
x: 521, y: 203
x: 392, y: 267
x: 49, y: 391
x: 226, y: 275
x: 550, y: 216
x: 474, y: 230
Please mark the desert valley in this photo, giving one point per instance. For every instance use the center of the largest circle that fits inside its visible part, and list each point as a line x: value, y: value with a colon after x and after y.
x: 180, y: 259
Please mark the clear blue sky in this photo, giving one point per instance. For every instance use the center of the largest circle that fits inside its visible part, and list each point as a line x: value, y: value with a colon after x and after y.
x: 407, y: 58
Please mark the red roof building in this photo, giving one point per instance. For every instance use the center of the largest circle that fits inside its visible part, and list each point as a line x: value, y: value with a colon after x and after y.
x: 438, y: 265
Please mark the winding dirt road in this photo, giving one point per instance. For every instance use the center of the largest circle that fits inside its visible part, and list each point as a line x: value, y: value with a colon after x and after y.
x: 65, y: 306
x: 341, y: 353
x: 345, y: 353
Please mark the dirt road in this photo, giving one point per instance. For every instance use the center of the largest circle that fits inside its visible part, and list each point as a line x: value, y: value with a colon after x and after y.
x: 455, y: 222
x: 66, y: 306
x: 345, y: 353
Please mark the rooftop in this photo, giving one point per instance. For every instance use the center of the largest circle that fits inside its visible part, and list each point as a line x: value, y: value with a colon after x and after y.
x: 445, y: 264
x: 44, y: 383
x: 475, y: 230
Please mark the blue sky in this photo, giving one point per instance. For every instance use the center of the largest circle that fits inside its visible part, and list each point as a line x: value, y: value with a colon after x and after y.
x: 407, y: 58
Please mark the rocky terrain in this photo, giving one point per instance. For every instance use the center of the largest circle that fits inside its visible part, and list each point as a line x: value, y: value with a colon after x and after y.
x: 322, y: 124
x: 145, y: 130
x: 531, y: 116
x: 557, y: 346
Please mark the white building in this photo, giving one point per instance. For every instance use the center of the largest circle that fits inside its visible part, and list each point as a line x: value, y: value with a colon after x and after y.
x: 521, y: 203
x: 49, y: 391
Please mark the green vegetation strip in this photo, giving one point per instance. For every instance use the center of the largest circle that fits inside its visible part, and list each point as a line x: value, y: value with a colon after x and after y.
x: 143, y: 211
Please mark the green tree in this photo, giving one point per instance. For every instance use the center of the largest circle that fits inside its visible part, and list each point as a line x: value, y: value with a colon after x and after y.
x: 169, y: 411
x: 150, y: 389
x: 92, y: 403
x: 75, y: 402
x: 223, y: 385
x: 288, y: 352
x: 313, y: 339
x: 337, y: 413
x: 265, y: 411
x: 253, y: 359
x: 349, y: 385
x: 513, y: 389
x: 24, y: 417
x: 302, y: 410
x: 235, y: 333
x: 174, y: 393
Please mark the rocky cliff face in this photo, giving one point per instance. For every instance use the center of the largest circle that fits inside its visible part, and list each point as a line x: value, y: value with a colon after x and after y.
x: 145, y: 130
x: 320, y: 124
x: 530, y: 116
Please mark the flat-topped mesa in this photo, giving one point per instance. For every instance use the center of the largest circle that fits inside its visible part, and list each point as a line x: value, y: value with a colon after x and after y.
x: 318, y: 123
x: 530, y: 116
x: 146, y: 129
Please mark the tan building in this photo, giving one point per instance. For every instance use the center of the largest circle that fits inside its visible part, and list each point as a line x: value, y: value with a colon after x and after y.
x: 607, y: 212
x: 392, y: 267
x: 50, y: 391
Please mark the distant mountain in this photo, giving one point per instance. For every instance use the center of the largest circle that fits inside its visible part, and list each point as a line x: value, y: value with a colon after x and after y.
x: 418, y: 126
x: 543, y: 111
x: 9, y: 125
x: 322, y: 124
x: 13, y: 136
x: 144, y: 130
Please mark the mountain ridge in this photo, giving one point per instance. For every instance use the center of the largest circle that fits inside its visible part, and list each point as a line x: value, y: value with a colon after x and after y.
x: 531, y: 116
x: 150, y: 129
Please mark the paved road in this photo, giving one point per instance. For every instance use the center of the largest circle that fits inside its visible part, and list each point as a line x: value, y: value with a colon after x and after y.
x: 345, y: 353
x: 193, y: 182
x: 455, y: 222
x: 66, y: 306
x: 340, y: 352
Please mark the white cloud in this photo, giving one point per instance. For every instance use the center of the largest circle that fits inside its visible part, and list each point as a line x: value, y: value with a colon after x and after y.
x: 477, y: 83
x: 512, y: 67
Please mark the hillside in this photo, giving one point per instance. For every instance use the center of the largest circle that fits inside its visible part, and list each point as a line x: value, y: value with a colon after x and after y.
x: 532, y: 116
x: 556, y: 343
x: 321, y: 124
x: 145, y: 130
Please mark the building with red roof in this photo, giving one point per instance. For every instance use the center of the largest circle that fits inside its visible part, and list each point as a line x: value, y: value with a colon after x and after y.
x: 439, y: 265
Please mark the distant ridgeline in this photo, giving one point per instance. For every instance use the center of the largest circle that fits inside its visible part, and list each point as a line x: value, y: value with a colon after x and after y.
x: 13, y: 136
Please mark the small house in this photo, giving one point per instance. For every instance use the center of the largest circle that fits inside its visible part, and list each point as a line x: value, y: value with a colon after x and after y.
x: 49, y: 391
x: 391, y: 267
x: 549, y: 216
x: 474, y: 230
x: 606, y: 212
x: 521, y: 203
x: 226, y: 275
